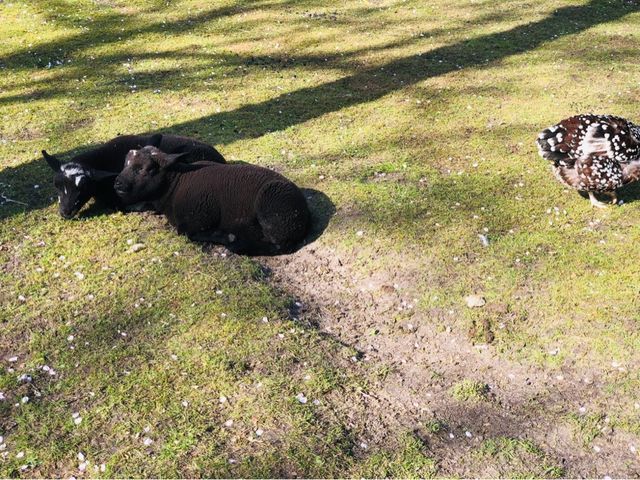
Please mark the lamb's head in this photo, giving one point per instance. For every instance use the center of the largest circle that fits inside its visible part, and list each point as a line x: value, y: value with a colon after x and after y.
x: 75, y: 184
x: 145, y: 174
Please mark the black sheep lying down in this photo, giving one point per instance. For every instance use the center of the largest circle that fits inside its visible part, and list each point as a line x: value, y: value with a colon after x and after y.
x: 249, y: 209
x: 92, y: 173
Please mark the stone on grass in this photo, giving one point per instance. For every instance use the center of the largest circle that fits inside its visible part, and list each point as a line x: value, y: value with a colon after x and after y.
x: 475, y: 301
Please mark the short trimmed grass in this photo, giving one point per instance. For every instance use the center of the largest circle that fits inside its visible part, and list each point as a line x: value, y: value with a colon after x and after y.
x: 416, y: 118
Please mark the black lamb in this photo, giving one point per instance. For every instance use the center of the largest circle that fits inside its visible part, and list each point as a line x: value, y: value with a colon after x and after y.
x: 249, y: 209
x: 92, y: 173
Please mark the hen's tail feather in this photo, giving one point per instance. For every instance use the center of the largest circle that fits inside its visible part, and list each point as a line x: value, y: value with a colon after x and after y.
x: 552, y: 146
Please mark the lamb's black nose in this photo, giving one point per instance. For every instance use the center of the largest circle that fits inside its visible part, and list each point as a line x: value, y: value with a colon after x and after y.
x: 120, y: 187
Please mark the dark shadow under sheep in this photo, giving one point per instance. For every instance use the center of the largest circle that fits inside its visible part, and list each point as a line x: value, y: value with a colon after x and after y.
x: 249, y: 209
x: 91, y: 174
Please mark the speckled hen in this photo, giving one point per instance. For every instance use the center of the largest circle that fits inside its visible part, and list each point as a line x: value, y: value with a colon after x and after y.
x: 593, y: 153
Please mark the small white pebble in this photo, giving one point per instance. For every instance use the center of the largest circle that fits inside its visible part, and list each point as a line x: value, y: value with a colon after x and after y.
x: 265, y: 320
x: 22, y: 298
x: 596, y: 448
x: 13, y: 359
x: 232, y: 461
x: 147, y: 441
x: 77, y: 420
x: 259, y: 432
x: 185, y: 403
x: 19, y: 454
x: 451, y: 435
x: 174, y: 356
x: 228, y: 423
x: 82, y: 467
x: 359, y: 233
x: 301, y: 398
x: 222, y: 399
x: 582, y: 409
x: 79, y: 275
x: 468, y: 434
x: 70, y: 338
x: 81, y: 456
x: 364, y: 445
x: 24, y: 399
x: 103, y: 467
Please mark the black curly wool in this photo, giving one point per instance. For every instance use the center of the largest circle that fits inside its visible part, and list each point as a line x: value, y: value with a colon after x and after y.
x: 248, y: 208
x: 91, y: 173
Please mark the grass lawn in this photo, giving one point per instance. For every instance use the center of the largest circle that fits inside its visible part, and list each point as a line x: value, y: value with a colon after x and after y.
x: 358, y: 355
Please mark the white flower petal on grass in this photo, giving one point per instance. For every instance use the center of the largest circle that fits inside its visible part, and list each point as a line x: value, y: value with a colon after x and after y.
x: 301, y: 398
x: 13, y: 359
x: 81, y: 456
x: 77, y: 421
x: 228, y: 423
x: 24, y: 399
x: 147, y: 441
x: 185, y: 403
x: 19, y: 454
x: 223, y: 399
x: 79, y: 275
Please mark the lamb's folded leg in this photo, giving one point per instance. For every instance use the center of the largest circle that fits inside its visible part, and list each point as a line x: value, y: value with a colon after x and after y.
x: 221, y: 238
x: 138, y: 207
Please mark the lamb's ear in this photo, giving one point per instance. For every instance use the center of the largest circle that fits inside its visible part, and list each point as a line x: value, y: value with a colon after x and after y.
x: 53, y: 162
x: 155, y: 140
x: 101, y: 174
x: 172, y: 159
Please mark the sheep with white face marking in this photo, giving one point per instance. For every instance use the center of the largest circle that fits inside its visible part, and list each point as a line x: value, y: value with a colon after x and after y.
x: 249, y: 209
x: 92, y: 173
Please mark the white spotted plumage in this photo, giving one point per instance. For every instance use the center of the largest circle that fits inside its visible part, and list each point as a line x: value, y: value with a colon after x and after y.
x: 593, y: 153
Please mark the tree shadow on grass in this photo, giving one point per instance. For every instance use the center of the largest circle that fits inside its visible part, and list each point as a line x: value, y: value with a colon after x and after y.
x: 255, y: 120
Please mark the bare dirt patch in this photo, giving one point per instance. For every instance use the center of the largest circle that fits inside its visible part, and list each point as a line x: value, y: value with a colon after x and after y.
x: 417, y: 363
